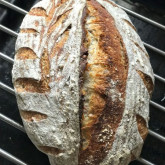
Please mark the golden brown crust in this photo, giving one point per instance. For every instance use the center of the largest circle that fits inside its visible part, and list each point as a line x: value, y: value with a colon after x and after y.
x: 28, y: 31
x: 108, y: 64
x: 142, y: 127
x: 147, y: 81
x: 58, y: 47
x: 32, y: 116
x: 31, y: 85
x: 59, y: 21
x: 25, y: 53
x: 28, y: 85
x: 38, y: 12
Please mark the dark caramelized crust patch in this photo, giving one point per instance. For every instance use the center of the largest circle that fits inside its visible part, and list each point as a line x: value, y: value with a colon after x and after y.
x: 142, y: 128
x: 25, y: 53
x: 104, y: 84
x: 50, y: 150
x: 32, y: 116
x: 147, y: 81
x: 82, y: 64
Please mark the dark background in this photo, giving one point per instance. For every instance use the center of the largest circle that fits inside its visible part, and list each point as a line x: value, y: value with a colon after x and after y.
x: 18, y: 144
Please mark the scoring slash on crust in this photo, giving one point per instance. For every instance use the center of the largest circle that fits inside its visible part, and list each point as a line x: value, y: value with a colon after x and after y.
x: 83, y: 82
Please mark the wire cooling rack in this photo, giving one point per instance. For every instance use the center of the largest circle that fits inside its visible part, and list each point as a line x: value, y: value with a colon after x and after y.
x: 5, y: 154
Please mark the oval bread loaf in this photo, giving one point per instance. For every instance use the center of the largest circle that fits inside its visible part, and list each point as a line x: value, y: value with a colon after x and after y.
x: 83, y: 82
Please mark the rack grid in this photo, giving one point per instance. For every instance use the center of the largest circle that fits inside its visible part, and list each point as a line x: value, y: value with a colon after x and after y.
x: 5, y: 87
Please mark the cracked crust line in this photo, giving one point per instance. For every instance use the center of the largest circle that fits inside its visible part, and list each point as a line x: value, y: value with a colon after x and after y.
x: 104, y: 84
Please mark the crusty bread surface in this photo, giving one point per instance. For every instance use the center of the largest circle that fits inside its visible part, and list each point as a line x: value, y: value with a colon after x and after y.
x: 83, y: 82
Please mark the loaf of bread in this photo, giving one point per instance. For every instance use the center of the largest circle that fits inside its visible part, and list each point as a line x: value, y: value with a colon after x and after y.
x: 83, y: 82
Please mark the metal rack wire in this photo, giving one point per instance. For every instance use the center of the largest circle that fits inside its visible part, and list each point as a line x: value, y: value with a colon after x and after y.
x: 5, y: 57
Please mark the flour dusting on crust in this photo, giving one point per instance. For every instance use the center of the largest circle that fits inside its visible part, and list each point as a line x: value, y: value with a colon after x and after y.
x: 58, y: 38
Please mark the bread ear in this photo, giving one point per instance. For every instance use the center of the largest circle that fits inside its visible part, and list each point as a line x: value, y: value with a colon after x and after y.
x: 104, y: 85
